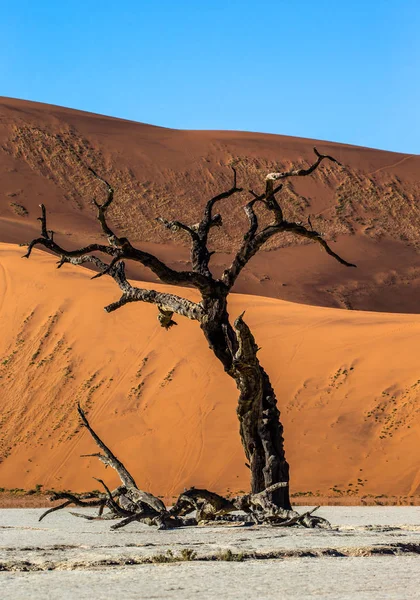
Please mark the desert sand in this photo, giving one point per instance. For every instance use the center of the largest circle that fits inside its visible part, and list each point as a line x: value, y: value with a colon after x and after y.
x: 347, y: 380
x: 347, y: 384
x: 369, y: 206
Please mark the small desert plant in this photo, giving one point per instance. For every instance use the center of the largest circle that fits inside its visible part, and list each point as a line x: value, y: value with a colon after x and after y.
x: 163, y: 558
x: 228, y: 555
x: 186, y: 554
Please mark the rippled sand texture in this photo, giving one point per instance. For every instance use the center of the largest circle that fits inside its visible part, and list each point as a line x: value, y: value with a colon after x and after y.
x: 347, y: 382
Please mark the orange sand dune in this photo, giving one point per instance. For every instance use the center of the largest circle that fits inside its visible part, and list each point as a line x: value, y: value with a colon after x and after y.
x: 370, y: 206
x: 348, y: 385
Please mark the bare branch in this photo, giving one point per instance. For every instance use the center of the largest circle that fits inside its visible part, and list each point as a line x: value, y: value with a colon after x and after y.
x: 78, y: 500
x: 166, y: 302
x: 253, y: 240
x: 198, y: 277
x: 43, y: 219
x: 80, y: 260
x: 252, y: 218
x: 112, y: 504
x: 112, y: 238
x: 270, y: 191
x: 108, y: 268
x: 315, y: 237
x: 121, y: 249
x: 165, y: 274
x: 207, y: 220
x: 51, y: 510
x: 169, y: 303
x: 271, y: 202
x: 177, y: 226
x: 51, y: 245
x: 302, y: 172
x: 200, y: 255
x: 108, y: 458
x: 251, y: 246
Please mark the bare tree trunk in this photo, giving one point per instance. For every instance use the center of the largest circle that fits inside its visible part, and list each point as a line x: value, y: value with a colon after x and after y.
x: 262, y: 436
x: 260, y: 428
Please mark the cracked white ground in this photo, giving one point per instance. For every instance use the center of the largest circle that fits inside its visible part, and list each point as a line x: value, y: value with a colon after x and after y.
x: 374, y: 552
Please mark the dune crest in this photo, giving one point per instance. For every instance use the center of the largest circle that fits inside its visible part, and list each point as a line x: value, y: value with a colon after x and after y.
x: 369, y: 207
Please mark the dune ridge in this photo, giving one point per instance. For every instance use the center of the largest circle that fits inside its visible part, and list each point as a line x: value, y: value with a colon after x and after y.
x: 369, y: 206
x: 348, y: 385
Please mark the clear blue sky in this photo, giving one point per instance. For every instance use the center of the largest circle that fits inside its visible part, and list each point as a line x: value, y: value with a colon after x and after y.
x: 347, y: 71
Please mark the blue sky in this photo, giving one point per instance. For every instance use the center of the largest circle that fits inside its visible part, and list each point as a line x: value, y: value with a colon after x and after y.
x: 333, y: 70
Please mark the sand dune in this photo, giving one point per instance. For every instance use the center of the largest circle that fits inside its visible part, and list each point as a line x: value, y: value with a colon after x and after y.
x: 370, y: 206
x: 348, y: 384
x: 347, y: 381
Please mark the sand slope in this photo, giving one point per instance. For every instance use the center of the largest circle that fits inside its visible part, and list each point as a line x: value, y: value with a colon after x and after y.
x: 348, y: 385
x: 370, y: 206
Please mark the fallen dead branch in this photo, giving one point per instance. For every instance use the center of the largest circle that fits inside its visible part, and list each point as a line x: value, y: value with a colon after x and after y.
x: 129, y: 503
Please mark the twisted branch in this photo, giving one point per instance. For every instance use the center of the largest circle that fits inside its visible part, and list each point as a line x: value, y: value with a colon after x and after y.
x: 302, y: 172
x: 177, y: 226
x: 208, y: 220
x: 254, y: 240
x: 119, y: 248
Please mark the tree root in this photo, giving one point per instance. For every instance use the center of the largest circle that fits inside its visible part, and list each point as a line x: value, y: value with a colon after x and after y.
x: 129, y: 504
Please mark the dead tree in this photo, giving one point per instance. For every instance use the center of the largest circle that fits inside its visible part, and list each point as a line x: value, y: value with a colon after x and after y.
x: 129, y: 503
x: 233, y: 344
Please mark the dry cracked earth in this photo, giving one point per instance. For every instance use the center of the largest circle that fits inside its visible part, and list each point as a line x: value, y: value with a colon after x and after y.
x: 371, y: 552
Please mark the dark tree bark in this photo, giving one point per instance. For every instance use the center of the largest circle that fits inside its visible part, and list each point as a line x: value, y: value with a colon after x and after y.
x: 260, y: 427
